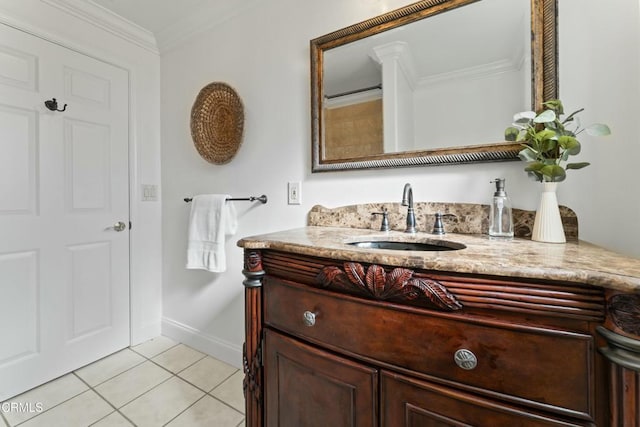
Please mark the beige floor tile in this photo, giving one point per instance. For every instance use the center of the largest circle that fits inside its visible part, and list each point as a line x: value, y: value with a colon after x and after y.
x: 115, y: 419
x: 81, y: 411
x: 146, y: 393
x: 208, y: 412
x: 230, y: 391
x: 104, y: 369
x: 178, y: 358
x: 162, y: 404
x: 154, y: 346
x: 207, y: 373
x: 45, y: 397
x: 130, y: 384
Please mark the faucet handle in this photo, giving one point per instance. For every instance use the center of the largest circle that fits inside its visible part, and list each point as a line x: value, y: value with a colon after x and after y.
x: 384, y: 225
x: 438, y: 225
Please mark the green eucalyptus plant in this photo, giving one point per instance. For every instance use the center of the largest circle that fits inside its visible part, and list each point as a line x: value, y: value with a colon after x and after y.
x: 548, y: 140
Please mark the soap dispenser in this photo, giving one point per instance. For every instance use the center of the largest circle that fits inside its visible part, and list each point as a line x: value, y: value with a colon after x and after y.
x: 501, y: 220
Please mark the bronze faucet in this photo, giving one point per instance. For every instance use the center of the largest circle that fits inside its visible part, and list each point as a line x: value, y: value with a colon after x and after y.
x: 407, y: 200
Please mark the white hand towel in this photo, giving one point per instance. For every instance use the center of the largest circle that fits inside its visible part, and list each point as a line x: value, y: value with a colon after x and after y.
x: 212, y: 218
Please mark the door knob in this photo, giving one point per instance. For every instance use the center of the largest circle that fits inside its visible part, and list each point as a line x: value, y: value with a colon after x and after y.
x: 119, y: 226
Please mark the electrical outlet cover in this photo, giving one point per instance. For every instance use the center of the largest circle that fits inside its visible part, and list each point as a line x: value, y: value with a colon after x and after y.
x: 294, y: 196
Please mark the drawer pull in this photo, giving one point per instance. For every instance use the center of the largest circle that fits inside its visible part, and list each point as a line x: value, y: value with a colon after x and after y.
x: 309, y: 318
x: 465, y: 359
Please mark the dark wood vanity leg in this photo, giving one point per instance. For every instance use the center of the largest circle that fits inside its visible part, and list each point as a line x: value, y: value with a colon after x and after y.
x: 624, y: 397
x: 252, y: 349
x: 622, y: 335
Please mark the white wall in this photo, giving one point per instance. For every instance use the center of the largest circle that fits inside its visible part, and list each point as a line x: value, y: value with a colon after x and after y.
x: 143, y: 65
x: 463, y: 112
x: 600, y: 70
x: 264, y: 54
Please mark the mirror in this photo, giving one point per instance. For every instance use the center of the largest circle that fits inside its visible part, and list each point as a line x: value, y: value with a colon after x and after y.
x: 403, y: 90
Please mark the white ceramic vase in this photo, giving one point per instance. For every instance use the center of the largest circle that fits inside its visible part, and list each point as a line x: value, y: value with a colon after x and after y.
x: 548, y: 224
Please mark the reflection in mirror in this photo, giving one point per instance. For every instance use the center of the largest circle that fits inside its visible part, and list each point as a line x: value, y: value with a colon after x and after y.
x: 401, y: 90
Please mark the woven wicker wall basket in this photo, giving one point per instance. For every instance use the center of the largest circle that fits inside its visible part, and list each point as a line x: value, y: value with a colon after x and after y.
x: 217, y: 123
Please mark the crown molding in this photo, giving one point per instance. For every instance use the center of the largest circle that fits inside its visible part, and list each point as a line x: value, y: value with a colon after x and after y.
x: 401, y: 54
x: 107, y: 20
x: 475, y: 72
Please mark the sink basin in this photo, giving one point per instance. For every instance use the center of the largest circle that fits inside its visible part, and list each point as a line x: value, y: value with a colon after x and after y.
x: 408, y: 246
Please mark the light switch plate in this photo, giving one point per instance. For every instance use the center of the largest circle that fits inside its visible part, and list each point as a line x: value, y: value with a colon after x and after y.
x: 149, y: 193
x: 294, y: 196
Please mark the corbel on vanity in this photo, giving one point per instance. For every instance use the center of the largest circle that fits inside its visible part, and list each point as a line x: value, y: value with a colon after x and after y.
x: 500, y: 333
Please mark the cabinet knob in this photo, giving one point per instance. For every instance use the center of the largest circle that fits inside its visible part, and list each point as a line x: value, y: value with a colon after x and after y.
x: 309, y: 318
x: 465, y: 359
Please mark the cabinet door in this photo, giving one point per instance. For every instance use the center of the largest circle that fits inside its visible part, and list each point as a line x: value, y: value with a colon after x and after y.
x: 309, y: 387
x: 409, y: 402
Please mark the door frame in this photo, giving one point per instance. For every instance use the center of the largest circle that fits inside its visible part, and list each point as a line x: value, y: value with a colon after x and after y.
x: 139, y: 329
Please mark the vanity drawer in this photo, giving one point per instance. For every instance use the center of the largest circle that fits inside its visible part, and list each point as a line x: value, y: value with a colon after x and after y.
x: 541, y: 367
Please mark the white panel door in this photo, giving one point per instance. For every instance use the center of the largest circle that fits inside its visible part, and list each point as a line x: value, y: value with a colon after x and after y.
x: 64, y: 269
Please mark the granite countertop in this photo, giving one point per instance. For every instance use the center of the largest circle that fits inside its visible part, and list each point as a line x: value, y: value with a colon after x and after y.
x: 576, y: 262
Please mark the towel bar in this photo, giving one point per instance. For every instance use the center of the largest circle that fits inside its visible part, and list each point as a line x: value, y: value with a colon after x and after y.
x: 262, y: 199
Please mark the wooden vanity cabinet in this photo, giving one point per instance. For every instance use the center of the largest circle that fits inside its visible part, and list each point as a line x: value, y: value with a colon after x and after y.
x: 320, y: 356
x: 306, y: 386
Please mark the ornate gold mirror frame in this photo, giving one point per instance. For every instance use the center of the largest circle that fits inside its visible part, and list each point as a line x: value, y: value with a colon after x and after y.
x: 544, y: 85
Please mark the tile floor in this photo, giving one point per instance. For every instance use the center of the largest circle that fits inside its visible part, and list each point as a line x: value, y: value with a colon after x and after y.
x: 157, y: 383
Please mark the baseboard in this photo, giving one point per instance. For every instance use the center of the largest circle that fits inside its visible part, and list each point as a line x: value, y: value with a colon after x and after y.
x: 220, y: 349
x: 145, y: 333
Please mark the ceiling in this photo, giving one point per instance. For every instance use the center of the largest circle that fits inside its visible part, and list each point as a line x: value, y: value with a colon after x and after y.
x: 154, y: 15
x: 171, y: 21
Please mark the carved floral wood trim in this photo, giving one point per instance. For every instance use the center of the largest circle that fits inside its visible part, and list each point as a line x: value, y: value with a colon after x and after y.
x: 251, y: 386
x: 624, y: 310
x: 252, y: 261
x: 397, y: 285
